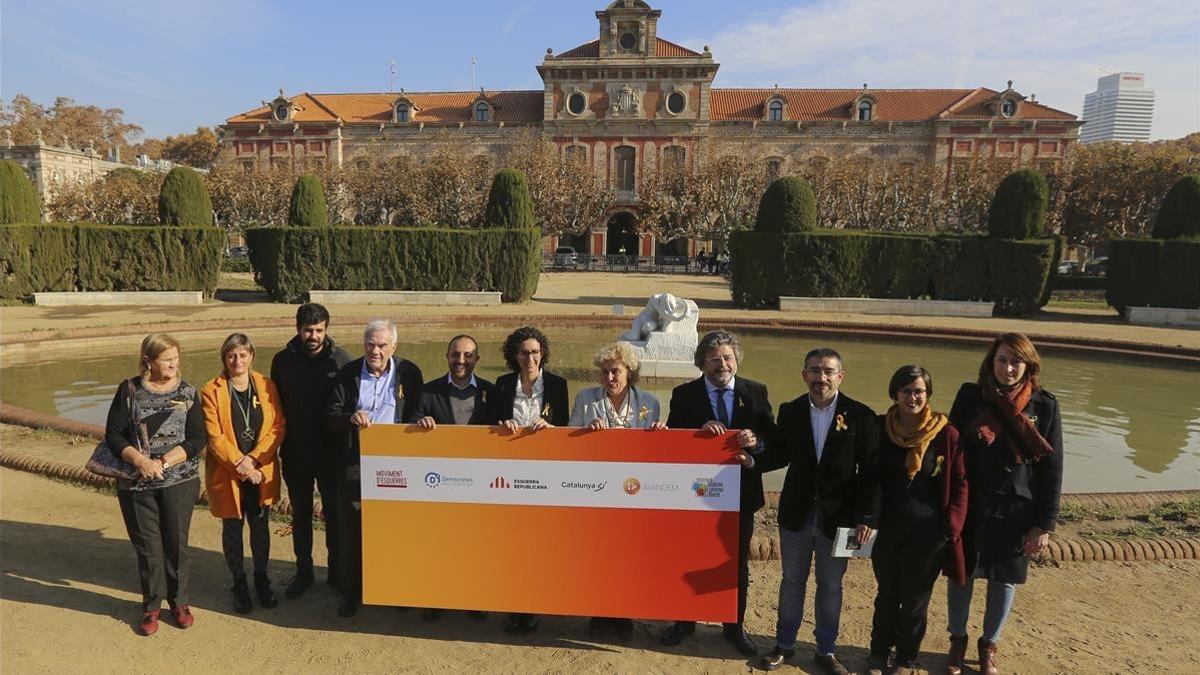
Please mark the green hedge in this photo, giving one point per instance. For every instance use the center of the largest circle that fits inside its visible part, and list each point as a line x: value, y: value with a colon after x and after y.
x: 1080, y: 282
x: 90, y: 257
x: 289, y: 262
x: 1154, y: 273
x: 841, y: 263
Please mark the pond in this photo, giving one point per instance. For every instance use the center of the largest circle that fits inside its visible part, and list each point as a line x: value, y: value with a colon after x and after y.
x: 1129, y: 423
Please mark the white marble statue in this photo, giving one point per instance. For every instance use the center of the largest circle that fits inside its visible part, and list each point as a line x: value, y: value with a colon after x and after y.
x: 665, y: 330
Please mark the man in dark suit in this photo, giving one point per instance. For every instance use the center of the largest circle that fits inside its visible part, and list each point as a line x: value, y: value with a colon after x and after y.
x: 458, y: 397
x: 716, y: 402
x: 379, y: 388
x: 828, y: 441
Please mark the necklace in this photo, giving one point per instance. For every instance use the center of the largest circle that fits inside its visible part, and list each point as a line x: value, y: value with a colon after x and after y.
x: 248, y: 432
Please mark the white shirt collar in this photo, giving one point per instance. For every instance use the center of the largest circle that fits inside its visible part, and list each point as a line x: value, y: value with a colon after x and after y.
x: 827, y: 409
x: 710, y: 387
x: 471, y: 383
x: 535, y: 390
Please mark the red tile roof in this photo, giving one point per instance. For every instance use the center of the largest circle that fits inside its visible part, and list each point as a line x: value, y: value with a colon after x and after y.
x: 892, y: 105
x: 432, y: 107
x: 663, y: 49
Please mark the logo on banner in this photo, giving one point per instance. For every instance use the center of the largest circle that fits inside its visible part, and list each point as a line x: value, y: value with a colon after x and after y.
x: 388, y: 478
x: 661, y: 487
x: 434, y: 479
x: 529, y: 484
x: 632, y: 486
x: 500, y: 483
x: 708, y: 487
x: 592, y: 487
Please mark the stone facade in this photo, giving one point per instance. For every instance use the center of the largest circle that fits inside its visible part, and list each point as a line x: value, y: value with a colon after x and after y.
x: 629, y: 99
x: 48, y: 166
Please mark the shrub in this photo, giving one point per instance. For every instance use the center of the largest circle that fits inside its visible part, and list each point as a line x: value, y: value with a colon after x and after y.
x: 307, y: 208
x: 845, y: 263
x: 1179, y: 215
x: 289, y: 262
x: 509, y: 204
x: 183, y: 199
x: 1018, y: 209
x: 1153, y: 273
x: 19, y: 201
x: 37, y: 258
x: 788, y: 205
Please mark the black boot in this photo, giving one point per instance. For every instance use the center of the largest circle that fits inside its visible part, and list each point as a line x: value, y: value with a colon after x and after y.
x: 300, y: 583
x: 241, y: 596
x: 262, y: 586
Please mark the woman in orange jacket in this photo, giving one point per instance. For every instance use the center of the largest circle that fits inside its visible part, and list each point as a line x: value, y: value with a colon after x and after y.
x: 245, y: 425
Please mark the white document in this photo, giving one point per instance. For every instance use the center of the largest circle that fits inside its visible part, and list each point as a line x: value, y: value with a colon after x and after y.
x: 844, y: 545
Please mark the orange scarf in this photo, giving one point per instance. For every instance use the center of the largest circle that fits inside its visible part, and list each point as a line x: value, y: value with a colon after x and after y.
x: 1004, y: 414
x: 915, y: 436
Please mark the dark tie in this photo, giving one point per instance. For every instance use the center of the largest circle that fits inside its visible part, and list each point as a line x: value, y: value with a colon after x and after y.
x: 722, y: 412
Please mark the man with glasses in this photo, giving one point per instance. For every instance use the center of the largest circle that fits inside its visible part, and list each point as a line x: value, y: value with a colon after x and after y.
x: 378, y: 388
x: 828, y: 441
x: 716, y: 402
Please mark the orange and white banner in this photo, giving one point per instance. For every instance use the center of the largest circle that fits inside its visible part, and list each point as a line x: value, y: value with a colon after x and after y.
x: 622, y: 523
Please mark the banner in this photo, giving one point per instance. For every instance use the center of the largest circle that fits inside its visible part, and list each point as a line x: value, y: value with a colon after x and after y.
x: 619, y: 522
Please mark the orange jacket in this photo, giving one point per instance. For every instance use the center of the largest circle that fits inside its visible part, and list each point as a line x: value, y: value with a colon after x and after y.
x: 220, y: 475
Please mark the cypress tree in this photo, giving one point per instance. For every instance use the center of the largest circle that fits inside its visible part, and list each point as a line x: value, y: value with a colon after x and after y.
x: 1018, y: 209
x: 183, y: 199
x: 19, y: 201
x: 509, y: 204
x: 1179, y: 215
x: 788, y: 205
x: 307, y: 208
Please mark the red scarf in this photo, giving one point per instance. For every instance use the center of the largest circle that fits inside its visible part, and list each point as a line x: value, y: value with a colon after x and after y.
x: 1003, y: 414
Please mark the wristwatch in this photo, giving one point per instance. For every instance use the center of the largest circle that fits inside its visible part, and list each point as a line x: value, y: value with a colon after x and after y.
x: 165, y: 463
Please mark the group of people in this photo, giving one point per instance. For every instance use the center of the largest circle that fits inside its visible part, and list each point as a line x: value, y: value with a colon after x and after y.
x: 717, y: 263
x: 971, y: 495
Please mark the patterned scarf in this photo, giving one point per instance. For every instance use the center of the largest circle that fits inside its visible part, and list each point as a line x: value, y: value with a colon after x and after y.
x: 1003, y: 414
x: 915, y: 436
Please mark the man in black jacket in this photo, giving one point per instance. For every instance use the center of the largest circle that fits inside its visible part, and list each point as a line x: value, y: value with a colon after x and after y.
x: 378, y: 388
x: 304, y: 373
x: 716, y: 402
x: 458, y: 397
x: 829, y: 442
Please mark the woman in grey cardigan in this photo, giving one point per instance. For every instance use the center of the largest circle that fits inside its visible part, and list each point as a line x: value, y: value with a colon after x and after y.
x: 616, y: 404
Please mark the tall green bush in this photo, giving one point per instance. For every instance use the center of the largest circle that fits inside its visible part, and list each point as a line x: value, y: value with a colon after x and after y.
x: 509, y: 204
x: 183, y: 199
x: 307, y: 208
x: 788, y: 205
x: 1153, y: 273
x: 19, y: 201
x: 1018, y: 209
x: 1179, y: 215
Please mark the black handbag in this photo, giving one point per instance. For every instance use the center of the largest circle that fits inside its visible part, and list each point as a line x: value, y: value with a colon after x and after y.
x: 104, y: 463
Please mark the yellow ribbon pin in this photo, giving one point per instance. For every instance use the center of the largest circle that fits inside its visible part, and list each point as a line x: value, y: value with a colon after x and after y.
x: 938, y: 469
x: 841, y: 424
x: 643, y: 413
x: 400, y: 391
x: 546, y: 411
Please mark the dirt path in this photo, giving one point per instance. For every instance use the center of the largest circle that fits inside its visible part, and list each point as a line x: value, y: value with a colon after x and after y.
x: 68, y: 594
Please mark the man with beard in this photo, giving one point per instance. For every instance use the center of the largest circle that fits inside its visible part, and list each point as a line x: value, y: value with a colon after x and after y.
x: 717, y: 402
x: 378, y: 388
x: 458, y: 397
x: 304, y: 373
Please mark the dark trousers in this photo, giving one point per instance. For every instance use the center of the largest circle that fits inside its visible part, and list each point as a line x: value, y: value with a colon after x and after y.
x: 349, y: 544
x: 258, y: 518
x: 745, y: 533
x: 300, y: 476
x: 158, y: 522
x: 907, y: 558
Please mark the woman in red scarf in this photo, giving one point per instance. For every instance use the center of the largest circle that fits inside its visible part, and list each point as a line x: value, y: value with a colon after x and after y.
x: 1011, y: 436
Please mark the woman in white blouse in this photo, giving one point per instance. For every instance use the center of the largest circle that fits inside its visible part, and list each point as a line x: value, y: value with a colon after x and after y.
x: 616, y: 403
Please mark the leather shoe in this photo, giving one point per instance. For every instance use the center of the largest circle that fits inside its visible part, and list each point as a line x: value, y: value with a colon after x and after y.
x: 300, y: 584
x: 736, y: 635
x: 676, y: 633
x: 348, y: 607
x: 149, y: 623
x: 878, y: 664
x: 241, y: 596
x: 987, y: 657
x: 777, y: 657
x: 829, y: 664
x: 183, y: 615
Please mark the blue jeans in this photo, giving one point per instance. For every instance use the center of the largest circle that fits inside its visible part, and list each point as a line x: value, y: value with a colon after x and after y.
x: 798, y: 548
x: 999, y: 603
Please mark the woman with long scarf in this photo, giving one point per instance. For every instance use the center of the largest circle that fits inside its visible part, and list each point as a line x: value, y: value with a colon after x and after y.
x: 1011, y: 438
x: 924, y: 486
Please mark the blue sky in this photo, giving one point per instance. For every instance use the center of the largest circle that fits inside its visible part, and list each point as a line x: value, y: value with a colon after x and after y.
x: 173, y: 66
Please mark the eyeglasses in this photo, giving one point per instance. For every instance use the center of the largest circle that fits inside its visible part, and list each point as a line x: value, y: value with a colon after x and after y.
x: 827, y: 372
x: 530, y: 353
x: 911, y: 393
x: 718, y: 360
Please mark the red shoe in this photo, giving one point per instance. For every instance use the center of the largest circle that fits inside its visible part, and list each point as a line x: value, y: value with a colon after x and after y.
x: 183, y: 615
x: 149, y: 623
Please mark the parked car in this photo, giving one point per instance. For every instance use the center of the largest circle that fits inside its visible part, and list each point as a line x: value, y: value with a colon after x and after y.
x: 239, y: 251
x: 564, y: 256
x: 1097, y: 266
x: 1068, y: 267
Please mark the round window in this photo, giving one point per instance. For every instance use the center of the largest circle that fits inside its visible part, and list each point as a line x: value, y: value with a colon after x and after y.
x: 281, y: 112
x: 628, y: 41
x: 1008, y: 107
x: 576, y: 102
x: 675, y: 103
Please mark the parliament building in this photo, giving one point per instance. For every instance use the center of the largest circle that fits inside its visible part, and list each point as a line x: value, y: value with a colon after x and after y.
x: 631, y: 99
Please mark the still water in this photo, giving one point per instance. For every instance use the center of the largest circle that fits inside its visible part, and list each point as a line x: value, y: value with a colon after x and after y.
x: 1128, y: 424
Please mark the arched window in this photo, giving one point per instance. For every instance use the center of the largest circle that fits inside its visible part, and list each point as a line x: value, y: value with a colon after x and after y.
x: 1008, y: 107
x: 481, y: 112
x: 776, y: 111
x: 774, y: 169
x: 626, y: 166
x: 674, y: 156
x: 281, y: 112
x: 865, y: 109
x: 403, y: 112
x: 575, y: 153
